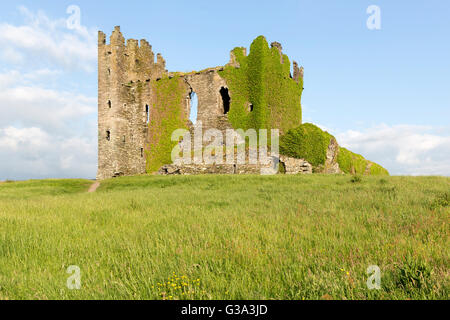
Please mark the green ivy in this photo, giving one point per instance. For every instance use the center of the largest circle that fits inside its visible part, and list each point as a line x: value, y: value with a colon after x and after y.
x: 311, y: 143
x: 167, y: 115
x: 307, y: 142
x: 353, y: 163
x: 345, y: 160
x: 377, y: 170
x: 262, y: 80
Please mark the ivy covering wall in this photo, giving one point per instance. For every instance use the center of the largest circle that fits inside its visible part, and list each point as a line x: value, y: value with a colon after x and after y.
x: 167, y: 115
x: 353, y: 163
x: 263, y: 96
x: 307, y: 142
x: 263, y: 81
x: 377, y: 170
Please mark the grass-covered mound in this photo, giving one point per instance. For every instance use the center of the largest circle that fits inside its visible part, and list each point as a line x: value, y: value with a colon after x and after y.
x: 263, y: 94
x: 353, y: 163
x: 308, y: 142
x: 227, y: 237
x: 311, y: 143
x: 377, y: 170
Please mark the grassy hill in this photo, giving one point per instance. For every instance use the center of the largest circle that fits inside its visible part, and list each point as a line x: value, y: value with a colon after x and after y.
x: 226, y: 237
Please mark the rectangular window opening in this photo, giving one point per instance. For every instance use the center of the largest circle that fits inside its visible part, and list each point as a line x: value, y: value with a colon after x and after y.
x: 147, y: 112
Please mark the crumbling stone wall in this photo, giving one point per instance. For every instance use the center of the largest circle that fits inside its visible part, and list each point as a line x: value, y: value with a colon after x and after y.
x: 210, y: 109
x: 287, y: 165
x: 122, y: 127
x: 140, y: 103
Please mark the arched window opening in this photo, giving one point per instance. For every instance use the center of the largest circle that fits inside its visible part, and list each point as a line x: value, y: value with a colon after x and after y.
x: 193, y: 100
x: 226, y: 100
x: 108, y: 135
x: 147, y: 113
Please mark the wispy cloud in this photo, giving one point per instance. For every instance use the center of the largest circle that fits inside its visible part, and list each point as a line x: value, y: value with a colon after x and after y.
x: 56, y: 111
x: 39, y: 37
x: 403, y: 149
x: 28, y: 153
x: 46, y: 129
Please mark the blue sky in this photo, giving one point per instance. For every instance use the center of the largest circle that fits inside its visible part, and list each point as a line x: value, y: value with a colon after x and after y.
x: 383, y: 93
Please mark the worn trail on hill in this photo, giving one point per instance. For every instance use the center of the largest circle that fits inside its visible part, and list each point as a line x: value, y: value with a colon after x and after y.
x: 94, y: 187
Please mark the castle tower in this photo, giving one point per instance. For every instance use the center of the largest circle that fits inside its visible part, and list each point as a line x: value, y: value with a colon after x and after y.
x: 124, y: 74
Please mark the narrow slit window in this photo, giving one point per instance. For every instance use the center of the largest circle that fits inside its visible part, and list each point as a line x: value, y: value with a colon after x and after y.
x: 147, y: 113
x: 109, y: 104
x: 108, y: 135
x: 193, y: 103
x: 142, y: 152
x: 225, y: 99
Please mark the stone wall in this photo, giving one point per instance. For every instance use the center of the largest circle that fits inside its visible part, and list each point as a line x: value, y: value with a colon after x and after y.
x: 210, y: 110
x: 287, y: 166
x: 133, y: 111
x: 122, y: 127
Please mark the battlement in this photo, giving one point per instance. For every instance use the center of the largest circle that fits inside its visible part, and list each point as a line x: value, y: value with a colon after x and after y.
x: 129, y: 60
x: 298, y: 72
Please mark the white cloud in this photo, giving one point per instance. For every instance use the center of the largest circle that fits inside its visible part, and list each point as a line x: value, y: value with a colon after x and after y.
x: 50, y: 40
x: 12, y: 138
x: 46, y: 131
x: 44, y: 108
x: 12, y: 55
x: 402, y: 149
x: 27, y: 153
x: 13, y: 77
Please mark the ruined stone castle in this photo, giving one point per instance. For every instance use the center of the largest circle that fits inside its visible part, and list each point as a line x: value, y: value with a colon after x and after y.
x: 127, y: 101
x: 140, y: 103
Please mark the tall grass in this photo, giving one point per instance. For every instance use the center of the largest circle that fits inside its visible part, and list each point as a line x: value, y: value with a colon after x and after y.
x: 226, y: 237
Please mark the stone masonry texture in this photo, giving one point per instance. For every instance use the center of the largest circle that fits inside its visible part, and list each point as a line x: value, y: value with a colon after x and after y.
x: 127, y: 72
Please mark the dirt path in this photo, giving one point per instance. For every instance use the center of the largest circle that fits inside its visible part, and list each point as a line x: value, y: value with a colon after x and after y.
x: 94, y: 187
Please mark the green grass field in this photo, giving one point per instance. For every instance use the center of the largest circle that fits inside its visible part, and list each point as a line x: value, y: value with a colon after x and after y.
x: 226, y: 237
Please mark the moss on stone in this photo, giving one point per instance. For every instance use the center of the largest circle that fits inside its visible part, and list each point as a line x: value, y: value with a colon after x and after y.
x: 311, y: 143
x: 353, y: 163
x: 263, y: 96
x: 377, y: 170
x: 345, y: 160
x: 263, y: 81
x: 167, y: 116
x: 307, y: 142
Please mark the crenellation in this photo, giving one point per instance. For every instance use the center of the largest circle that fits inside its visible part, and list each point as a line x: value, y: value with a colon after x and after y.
x: 160, y: 62
x: 101, y: 38
x: 233, y: 59
x: 132, y: 45
x: 279, y: 48
x: 116, y: 39
x: 277, y: 45
x: 298, y: 72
